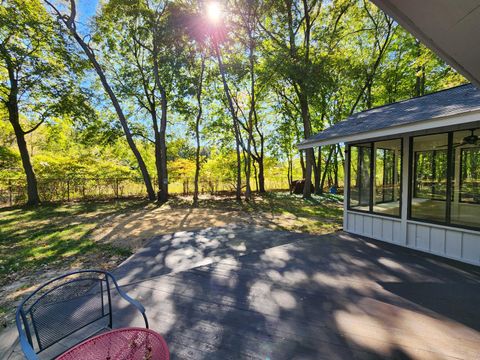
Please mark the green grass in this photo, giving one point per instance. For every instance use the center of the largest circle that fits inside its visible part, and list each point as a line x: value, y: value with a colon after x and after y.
x: 53, y: 234
x: 316, y: 215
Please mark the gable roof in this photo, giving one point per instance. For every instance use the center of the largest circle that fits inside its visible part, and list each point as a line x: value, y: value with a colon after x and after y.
x: 458, y: 100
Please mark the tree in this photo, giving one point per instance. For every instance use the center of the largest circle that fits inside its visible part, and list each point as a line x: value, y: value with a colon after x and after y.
x: 198, y: 118
x: 69, y: 21
x: 217, y: 37
x: 247, y: 11
x: 39, y: 83
x: 293, y: 58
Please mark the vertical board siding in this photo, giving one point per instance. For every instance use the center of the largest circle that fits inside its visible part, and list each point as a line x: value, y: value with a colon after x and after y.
x: 439, y: 240
x: 368, y: 226
x: 456, y: 244
x: 453, y: 246
x: 471, y: 247
x: 387, y: 230
x: 375, y: 227
x: 411, y: 235
x: 423, y: 237
x: 397, y: 232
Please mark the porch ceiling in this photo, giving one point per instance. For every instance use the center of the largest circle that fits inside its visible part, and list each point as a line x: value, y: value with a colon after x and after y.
x: 448, y: 27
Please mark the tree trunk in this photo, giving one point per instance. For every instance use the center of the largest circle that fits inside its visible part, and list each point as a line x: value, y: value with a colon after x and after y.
x: 318, y: 165
x: 197, y: 133
x: 250, y: 115
x: 158, y: 150
x: 69, y: 22
x: 163, y: 195
x: 163, y: 173
x: 261, y: 176
x: 14, y: 118
x: 316, y: 173
x: 420, y: 75
x: 238, y: 192
x: 261, y: 167
x: 307, y: 189
x: 302, y: 163
x: 326, y: 167
x: 290, y: 172
x: 255, y: 175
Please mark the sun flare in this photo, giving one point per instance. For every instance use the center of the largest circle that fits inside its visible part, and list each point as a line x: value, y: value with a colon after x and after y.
x: 214, y: 12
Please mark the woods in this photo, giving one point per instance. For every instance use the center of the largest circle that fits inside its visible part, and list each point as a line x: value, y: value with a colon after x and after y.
x: 195, y: 92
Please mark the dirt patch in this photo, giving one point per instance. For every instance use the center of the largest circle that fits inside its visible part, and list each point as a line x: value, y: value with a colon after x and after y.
x: 130, y: 227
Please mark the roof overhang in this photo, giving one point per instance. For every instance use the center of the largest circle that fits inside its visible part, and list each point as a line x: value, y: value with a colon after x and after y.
x: 455, y: 122
x: 448, y: 27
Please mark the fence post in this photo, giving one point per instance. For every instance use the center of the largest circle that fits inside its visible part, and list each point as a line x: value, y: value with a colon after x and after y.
x: 10, y: 192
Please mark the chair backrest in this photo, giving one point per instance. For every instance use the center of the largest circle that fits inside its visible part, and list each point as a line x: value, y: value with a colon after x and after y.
x: 63, y: 306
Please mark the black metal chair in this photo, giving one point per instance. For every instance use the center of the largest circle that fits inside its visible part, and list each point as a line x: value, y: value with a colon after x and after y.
x: 63, y: 306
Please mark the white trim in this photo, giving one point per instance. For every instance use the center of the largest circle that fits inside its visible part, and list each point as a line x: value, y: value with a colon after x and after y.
x: 364, y: 213
x: 398, y: 130
x: 346, y: 184
x: 405, y: 185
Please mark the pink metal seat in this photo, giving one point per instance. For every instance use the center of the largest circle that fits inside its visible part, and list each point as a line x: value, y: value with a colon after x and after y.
x: 121, y: 344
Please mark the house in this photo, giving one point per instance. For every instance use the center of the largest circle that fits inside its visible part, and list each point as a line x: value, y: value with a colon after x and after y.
x: 413, y: 172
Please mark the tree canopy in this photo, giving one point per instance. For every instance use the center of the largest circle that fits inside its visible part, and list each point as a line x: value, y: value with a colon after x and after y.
x: 159, y: 91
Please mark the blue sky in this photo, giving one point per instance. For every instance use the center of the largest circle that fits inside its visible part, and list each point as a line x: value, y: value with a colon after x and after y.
x: 86, y: 8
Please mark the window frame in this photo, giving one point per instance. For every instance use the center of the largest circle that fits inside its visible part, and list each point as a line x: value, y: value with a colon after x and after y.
x: 372, y: 177
x: 460, y: 180
x: 415, y: 168
x: 449, y: 190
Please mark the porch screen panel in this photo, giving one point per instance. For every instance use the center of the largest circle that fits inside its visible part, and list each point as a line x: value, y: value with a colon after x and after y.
x: 465, y: 208
x: 429, y: 177
x: 360, y: 171
x: 387, y: 177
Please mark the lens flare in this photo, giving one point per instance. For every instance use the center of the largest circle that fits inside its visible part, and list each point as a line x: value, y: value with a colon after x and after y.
x: 214, y: 12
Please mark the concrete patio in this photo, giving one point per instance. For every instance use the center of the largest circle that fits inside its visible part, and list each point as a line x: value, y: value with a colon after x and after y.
x: 247, y: 292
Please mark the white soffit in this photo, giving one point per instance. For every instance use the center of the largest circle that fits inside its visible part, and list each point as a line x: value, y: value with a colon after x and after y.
x: 451, y: 28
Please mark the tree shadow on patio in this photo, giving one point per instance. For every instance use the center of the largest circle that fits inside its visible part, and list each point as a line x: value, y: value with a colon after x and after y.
x: 286, y: 295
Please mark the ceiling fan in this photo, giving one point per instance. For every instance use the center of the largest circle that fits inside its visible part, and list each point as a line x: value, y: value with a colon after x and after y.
x: 471, y: 139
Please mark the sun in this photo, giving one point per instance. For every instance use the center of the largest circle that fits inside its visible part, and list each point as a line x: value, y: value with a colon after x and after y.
x: 214, y: 12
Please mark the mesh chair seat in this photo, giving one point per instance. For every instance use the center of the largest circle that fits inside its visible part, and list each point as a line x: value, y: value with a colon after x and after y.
x: 63, y: 306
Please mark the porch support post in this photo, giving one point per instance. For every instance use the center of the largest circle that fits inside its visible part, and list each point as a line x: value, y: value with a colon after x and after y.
x: 404, y: 199
x: 346, y: 178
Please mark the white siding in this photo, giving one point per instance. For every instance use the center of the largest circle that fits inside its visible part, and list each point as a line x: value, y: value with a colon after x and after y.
x: 459, y: 244
x: 376, y: 227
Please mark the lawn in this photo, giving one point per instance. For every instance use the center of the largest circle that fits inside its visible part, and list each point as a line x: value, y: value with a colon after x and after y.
x: 39, y: 243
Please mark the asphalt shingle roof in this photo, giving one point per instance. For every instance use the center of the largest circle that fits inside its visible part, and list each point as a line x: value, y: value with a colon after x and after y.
x: 457, y: 100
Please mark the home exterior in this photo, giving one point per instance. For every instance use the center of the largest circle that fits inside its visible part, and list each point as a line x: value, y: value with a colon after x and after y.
x: 412, y: 172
